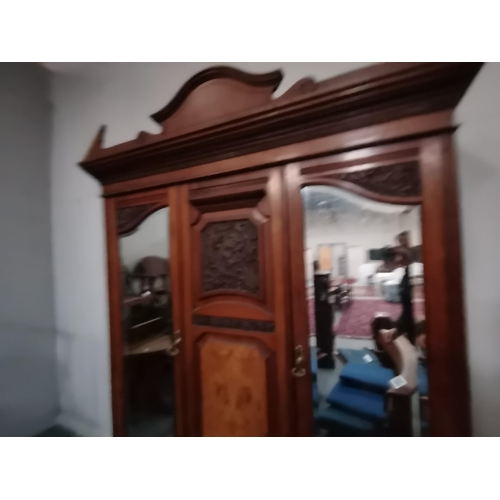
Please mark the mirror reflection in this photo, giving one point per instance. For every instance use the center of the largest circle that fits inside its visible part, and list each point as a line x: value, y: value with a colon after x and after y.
x: 364, y: 278
x: 147, y: 328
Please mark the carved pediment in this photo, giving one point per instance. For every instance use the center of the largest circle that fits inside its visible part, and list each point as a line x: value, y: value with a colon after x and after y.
x: 215, y: 94
x: 223, y: 112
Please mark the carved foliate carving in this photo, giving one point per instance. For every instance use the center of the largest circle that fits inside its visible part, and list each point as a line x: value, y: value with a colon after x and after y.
x: 401, y: 180
x: 234, y: 323
x: 128, y: 218
x: 230, y: 256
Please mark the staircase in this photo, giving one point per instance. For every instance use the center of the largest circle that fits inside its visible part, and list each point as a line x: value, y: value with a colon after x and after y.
x: 356, y: 404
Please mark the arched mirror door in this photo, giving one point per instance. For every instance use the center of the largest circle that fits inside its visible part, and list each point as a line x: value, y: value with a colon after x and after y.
x: 360, y: 299
x: 147, y: 340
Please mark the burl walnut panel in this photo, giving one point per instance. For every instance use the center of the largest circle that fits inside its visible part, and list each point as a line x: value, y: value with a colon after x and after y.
x: 233, y: 387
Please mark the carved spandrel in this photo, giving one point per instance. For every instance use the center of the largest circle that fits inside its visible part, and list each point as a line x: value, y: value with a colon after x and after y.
x: 230, y: 256
x: 401, y: 180
x: 128, y: 218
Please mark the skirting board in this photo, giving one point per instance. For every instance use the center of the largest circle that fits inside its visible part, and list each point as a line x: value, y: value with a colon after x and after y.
x: 80, y: 428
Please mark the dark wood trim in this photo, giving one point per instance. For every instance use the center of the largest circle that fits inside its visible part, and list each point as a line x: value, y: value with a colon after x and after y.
x: 252, y: 325
x: 297, y: 297
x: 388, y: 133
x: 191, y: 375
x: 449, y: 397
x: 115, y: 321
x: 456, y: 311
x: 280, y: 279
x: 246, y: 121
x: 177, y: 264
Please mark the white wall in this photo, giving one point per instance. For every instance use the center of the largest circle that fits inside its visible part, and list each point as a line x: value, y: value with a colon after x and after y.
x: 28, y: 382
x: 122, y: 96
x: 368, y: 229
x: 375, y: 231
x: 411, y: 221
x: 478, y: 145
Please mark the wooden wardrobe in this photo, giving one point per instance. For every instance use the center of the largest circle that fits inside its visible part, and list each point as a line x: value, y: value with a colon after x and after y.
x: 229, y: 164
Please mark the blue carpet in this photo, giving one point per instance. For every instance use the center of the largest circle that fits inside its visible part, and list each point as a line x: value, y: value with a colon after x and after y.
x: 315, y: 393
x: 356, y: 355
x: 423, y: 382
x: 369, y: 376
x: 339, y: 423
x: 314, y: 363
x: 362, y: 403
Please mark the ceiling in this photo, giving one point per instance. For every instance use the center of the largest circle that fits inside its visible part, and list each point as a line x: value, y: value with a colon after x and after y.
x: 319, y: 198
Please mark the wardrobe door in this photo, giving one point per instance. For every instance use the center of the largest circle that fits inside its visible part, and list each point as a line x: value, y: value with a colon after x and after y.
x: 370, y: 202
x: 235, y: 334
x: 145, y: 298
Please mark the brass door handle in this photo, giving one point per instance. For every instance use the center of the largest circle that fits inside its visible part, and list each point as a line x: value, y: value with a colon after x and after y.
x: 176, y: 340
x: 299, y: 369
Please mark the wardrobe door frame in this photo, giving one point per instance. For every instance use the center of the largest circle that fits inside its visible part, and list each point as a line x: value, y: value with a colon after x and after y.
x: 446, y: 350
x: 158, y: 199
x: 209, y: 199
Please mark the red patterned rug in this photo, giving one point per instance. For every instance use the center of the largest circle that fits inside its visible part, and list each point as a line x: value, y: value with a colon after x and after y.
x: 355, y: 321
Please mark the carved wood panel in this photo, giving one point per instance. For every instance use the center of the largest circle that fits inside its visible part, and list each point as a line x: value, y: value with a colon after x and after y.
x: 230, y: 256
x: 235, y: 315
x: 401, y: 180
x: 234, y: 387
x: 235, y: 323
x: 129, y: 218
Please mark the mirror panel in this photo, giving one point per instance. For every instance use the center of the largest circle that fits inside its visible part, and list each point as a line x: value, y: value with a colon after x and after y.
x: 147, y: 326
x: 366, y: 309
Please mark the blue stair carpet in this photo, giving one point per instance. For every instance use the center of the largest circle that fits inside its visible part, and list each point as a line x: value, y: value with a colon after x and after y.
x: 315, y: 393
x: 369, y: 376
x: 357, y: 355
x: 423, y: 382
x: 360, y: 402
x: 314, y: 363
x: 357, y: 400
x: 339, y: 423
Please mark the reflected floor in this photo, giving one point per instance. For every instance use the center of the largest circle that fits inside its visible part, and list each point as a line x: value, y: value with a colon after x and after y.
x: 147, y: 424
x: 57, y: 431
x: 327, y: 379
